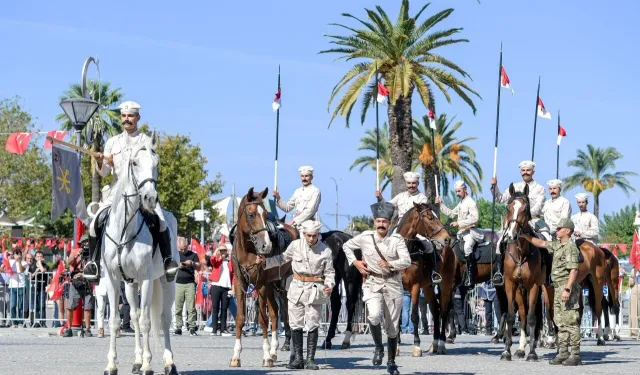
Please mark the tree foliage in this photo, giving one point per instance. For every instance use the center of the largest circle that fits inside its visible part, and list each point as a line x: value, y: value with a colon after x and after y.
x: 360, y: 223
x: 485, y: 213
x: 368, y: 143
x: 618, y: 227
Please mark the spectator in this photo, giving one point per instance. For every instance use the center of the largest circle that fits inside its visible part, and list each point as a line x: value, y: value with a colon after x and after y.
x: 634, y: 283
x: 78, y: 289
x: 222, y: 279
x: 125, y: 311
x: 488, y: 293
x: 186, y: 288
x: 28, y: 300
x: 406, y: 326
x: 102, y: 301
x: 16, y: 286
x: 40, y: 279
x: 458, y: 306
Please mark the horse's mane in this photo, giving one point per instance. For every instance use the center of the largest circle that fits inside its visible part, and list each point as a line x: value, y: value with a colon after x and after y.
x: 124, y: 178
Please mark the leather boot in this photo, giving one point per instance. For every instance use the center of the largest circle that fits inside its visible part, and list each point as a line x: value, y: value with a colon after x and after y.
x: 392, y: 346
x: 298, y: 361
x: 312, y: 343
x: 471, y: 268
x: 91, y: 270
x: 170, y: 265
x: 498, y: 279
x: 563, y: 355
x: 574, y: 359
x: 436, y: 278
x: 376, y: 333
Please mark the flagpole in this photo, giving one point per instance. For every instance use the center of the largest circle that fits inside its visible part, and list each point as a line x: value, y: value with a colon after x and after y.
x: 558, y: 150
x: 377, y: 136
x: 495, y: 155
x: 535, y: 121
x: 275, y: 174
x: 435, y: 169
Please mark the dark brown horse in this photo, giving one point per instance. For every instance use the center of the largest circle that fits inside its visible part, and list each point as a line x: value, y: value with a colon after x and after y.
x: 422, y: 220
x: 252, y: 239
x: 523, y: 276
x: 611, y: 303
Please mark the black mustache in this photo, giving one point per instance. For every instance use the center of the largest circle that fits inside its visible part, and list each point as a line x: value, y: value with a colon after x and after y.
x: 381, y: 228
x: 127, y: 122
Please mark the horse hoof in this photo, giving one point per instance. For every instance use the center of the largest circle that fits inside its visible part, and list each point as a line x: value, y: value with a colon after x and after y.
x: 442, y: 350
x: 532, y: 357
x: 495, y: 340
x: 397, y: 351
x: 171, y: 370
x: 345, y: 345
x: 235, y: 362
x: 450, y: 340
x: 519, y: 354
x: 417, y: 352
x: 286, y: 348
x: 551, y: 345
x: 267, y: 363
x: 136, y: 368
x: 274, y: 357
x: 506, y: 356
x: 616, y: 338
x: 111, y: 372
x: 326, y: 345
x: 148, y: 372
x: 601, y: 342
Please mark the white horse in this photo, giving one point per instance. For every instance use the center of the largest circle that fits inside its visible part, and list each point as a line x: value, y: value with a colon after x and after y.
x: 128, y: 255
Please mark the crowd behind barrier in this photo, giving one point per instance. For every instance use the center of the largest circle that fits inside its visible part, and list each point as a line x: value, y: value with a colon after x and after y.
x: 27, y: 301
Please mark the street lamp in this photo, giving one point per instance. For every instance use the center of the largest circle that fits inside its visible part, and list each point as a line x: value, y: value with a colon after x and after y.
x: 201, y: 216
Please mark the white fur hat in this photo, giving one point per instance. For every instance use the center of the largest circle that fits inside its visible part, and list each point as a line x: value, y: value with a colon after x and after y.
x: 311, y: 226
x: 411, y: 177
x: 306, y: 169
x: 527, y: 164
x: 129, y: 107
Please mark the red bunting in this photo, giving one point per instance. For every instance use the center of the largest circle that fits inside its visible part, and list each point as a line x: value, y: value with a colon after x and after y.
x: 202, y: 254
x: 57, y: 134
x: 199, y: 295
x: 17, y: 143
x: 55, y: 289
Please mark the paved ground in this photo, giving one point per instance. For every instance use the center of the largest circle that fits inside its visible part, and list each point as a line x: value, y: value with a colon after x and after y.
x: 40, y: 351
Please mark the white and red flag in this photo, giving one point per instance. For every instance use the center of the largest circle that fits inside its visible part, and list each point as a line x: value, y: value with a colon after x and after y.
x: 561, y: 133
x: 57, y: 134
x: 17, y: 143
x: 383, y: 93
x: 276, y: 101
x: 504, y: 80
x: 542, y: 112
x: 432, y: 119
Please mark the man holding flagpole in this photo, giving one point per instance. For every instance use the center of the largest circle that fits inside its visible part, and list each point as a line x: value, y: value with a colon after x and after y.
x: 305, y: 200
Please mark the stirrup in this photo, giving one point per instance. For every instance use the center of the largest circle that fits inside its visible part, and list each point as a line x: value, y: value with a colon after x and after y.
x: 436, y: 278
x: 87, y: 272
x: 498, y: 279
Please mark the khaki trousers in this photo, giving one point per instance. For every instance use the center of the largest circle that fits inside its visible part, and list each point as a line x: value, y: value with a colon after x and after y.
x: 633, y: 311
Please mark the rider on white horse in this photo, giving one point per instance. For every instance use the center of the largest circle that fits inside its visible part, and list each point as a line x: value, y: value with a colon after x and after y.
x: 114, y: 159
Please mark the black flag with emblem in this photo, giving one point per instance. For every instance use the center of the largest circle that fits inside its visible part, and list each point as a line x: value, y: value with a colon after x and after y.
x: 67, y: 184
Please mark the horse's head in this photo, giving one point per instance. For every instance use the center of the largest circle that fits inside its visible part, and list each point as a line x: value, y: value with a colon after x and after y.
x: 252, y: 221
x: 518, y: 213
x: 423, y: 220
x: 143, y: 168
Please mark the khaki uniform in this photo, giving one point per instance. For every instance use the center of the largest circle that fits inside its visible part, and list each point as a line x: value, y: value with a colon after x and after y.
x: 382, y: 290
x: 306, y: 298
x: 404, y: 202
x: 120, y: 148
x: 305, y: 200
x: 554, y: 210
x: 467, y: 213
x: 587, y: 224
x: 566, y: 316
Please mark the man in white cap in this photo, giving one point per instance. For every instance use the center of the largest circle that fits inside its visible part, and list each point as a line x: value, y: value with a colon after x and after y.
x: 536, y: 201
x: 467, y: 213
x: 384, y: 255
x: 557, y: 208
x: 313, y: 281
x: 404, y: 202
x: 113, y: 160
x: 305, y: 200
x: 587, y: 226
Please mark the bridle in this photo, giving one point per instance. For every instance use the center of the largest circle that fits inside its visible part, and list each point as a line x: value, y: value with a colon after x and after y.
x: 522, y: 258
x: 252, y: 232
x: 421, y: 222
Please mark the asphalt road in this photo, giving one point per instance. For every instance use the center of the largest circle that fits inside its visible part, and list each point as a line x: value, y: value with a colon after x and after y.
x: 41, y: 351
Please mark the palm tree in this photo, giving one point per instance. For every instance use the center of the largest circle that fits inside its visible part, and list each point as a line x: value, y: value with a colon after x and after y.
x: 368, y: 143
x: 404, y: 56
x: 594, y: 173
x: 453, y: 156
x: 106, y: 122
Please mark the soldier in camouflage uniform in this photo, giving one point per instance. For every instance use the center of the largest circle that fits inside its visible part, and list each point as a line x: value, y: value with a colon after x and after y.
x: 567, y: 291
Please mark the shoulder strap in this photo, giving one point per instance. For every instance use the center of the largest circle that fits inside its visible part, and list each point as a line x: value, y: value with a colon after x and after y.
x: 373, y: 238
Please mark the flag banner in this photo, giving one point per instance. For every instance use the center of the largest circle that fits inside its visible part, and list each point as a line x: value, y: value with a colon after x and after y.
x: 6, y: 264
x: 561, y: 133
x: 504, y: 80
x: 383, y: 93
x: 17, y: 143
x: 542, y: 111
x: 276, y: 101
x: 57, y: 134
x: 432, y: 119
x: 198, y: 249
x: 67, y: 184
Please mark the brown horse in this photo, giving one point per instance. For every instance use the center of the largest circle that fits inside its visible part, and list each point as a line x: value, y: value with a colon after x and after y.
x: 252, y: 239
x: 523, y: 275
x: 422, y: 220
x: 611, y: 303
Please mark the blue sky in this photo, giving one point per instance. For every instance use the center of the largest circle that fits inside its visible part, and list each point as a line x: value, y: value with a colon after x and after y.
x: 209, y: 69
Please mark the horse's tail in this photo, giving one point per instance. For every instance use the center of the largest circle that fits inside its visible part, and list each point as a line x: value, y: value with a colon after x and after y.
x: 157, y: 304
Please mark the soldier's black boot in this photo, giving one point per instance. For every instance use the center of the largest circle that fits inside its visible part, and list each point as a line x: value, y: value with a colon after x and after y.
x: 312, y: 343
x: 436, y: 278
x: 471, y: 268
x: 498, y: 279
x: 170, y: 265
x: 563, y: 355
x: 91, y: 270
x: 298, y: 361
x: 392, y: 346
x: 376, y: 333
x: 574, y: 359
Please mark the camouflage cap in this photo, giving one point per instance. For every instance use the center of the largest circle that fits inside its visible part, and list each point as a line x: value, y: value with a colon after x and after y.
x: 565, y: 222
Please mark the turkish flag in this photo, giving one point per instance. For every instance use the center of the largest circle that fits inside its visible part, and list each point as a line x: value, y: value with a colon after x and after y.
x: 80, y: 228
x: 55, y: 289
x: 198, y: 249
x: 57, y: 134
x: 17, y: 142
x: 6, y: 264
x: 634, y: 257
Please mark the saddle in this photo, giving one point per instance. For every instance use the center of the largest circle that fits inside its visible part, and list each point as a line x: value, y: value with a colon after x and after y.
x: 483, y: 252
x: 280, y: 238
x: 417, y: 251
x: 151, y: 220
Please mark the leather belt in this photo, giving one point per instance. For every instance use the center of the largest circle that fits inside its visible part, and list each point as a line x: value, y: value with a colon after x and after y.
x: 308, y: 279
x: 384, y: 277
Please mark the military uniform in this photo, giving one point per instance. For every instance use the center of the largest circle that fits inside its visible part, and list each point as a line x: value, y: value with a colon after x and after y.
x: 586, y: 223
x: 382, y: 289
x: 467, y: 213
x: 566, y: 315
x: 312, y: 271
x: 554, y: 210
x: 305, y: 200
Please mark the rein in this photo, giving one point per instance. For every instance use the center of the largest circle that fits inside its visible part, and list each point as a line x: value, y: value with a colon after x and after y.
x: 522, y: 258
x: 128, y: 219
x: 426, y: 231
x: 244, y: 271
